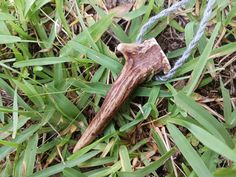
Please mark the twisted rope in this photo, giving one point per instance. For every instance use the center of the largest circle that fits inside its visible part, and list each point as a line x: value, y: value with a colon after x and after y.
x: 192, y: 44
x: 153, y: 19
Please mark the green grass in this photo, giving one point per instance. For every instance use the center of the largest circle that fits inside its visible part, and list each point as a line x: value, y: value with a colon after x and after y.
x: 57, y: 62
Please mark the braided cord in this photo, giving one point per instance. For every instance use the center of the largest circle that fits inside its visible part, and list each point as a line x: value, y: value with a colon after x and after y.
x: 192, y: 44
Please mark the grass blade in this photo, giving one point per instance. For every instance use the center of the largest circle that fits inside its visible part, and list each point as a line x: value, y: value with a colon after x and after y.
x: 31, y: 92
x: 203, y: 117
x: 70, y: 172
x: 197, y: 72
x: 208, y: 139
x: 150, y: 168
x: 162, y: 148
x: 4, y: 151
x: 28, y: 5
x: 8, y: 89
x: 124, y: 159
x: 15, y: 114
x: 6, y: 16
x: 61, y: 166
x: 227, y: 104
x: 225, y: 172
x: 188, y: 152
x: 8, y: 39
x: 1, y: 113
x: 30, y: 154
x: 99, y: 58
x: 24, y: 135
x: 43, y: 61
x: 8, y: 143
x: 103, y: 172
x: 95, y: 31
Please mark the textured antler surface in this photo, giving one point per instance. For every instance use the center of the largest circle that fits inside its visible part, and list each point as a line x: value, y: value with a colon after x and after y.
x: 142, y: 61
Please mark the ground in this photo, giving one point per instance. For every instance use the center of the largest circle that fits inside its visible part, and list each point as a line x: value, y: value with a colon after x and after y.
x: 58, y: 59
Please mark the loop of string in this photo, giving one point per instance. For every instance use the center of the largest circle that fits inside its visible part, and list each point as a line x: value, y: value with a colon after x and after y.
x: 203, y: 23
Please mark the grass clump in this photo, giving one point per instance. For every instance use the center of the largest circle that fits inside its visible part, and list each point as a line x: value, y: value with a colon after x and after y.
x: 58, y: 60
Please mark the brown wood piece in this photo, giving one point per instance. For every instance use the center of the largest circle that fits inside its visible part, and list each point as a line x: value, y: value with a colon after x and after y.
x: 142, y: 61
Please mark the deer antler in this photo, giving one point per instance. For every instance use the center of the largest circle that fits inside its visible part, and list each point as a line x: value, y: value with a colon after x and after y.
x: 142, y: 60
